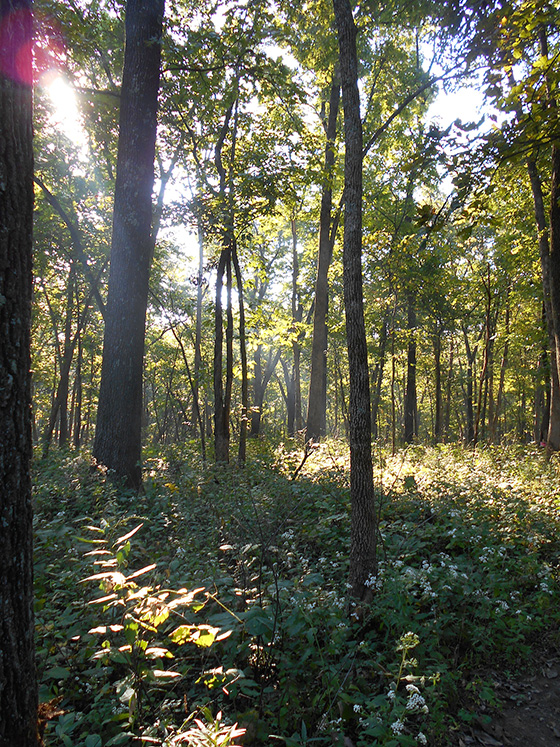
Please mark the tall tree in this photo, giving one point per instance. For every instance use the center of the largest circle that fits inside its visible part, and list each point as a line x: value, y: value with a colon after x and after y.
x: 119, y: 414
x: 317, y: 401
x: 18, y: 685
x: 363, y: 548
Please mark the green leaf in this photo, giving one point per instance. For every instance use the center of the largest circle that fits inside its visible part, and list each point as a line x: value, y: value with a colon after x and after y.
x: 57, y: 673
x: 93, y: 740
x: 201, y: 635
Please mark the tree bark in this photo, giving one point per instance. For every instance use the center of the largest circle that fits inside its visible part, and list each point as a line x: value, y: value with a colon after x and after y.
x: 438, y: 420
x: 244, y: 424
x: 363, y: 542
x: 221, y: 414
x: 118, y: 435
x: 317, y: 402
x: 18, y: 685
x: 410, y: 396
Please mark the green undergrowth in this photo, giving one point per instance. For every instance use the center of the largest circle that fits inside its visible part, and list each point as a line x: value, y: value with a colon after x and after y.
x: 219, y: 596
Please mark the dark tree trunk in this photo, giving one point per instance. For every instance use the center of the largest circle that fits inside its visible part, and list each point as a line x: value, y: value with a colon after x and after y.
x: 503, y: 366
x: 317, y: 401
x: 198, y: 332
x: 363, y: 542
x: 438, y: 422
x: 261, y: 380
x: 77, y: 396
x: 447, y: 416
x: 289, y: 396
x: 410, y: 396
x: 553, y: 442
x: 542, y: 391
x: 549, y: 248
x: 221, y: 412
x: 18, y: 685
x: 118, y: 435
x: 469, y: 404
x: 553, y: 426
x: 378, y: 373
x: 243, y: 425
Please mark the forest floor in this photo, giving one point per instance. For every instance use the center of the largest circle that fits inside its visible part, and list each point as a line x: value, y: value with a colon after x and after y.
x: 527, y: 712
x: 219, y: 596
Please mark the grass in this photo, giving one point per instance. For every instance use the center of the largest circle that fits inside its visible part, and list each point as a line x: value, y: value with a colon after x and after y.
x: 468, y: 582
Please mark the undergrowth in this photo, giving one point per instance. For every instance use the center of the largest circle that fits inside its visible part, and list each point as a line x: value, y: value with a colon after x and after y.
x: 213, y: 609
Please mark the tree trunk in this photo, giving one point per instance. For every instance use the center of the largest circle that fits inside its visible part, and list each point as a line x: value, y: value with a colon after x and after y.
x: 317, y: 401
x: 503, y: 366
x: 447, y: 417
x: 438, y: 422
x: 118, y: 435
x: 297, y: 314
x: 378, y: 373
x: 221, y: 414
x: 198, y: 332
x: 243, y: 425
x: 363, y: 541
x: 18, y: 685
x: 469, y: 405
x: 410, y: 397
x: 553, y: 443
x: 261, y: 379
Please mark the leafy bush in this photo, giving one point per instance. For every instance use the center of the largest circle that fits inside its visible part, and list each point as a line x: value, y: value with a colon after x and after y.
x: 255, y: 564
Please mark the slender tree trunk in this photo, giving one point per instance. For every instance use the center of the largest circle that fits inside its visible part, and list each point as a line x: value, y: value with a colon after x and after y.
x: 317, y: 401
x: 486, y: 362
x: 294, y: 390
x: 18, y: 684
x: 438, y: 424
x: 289, y: 380
x: 503, y: 366
x: 469, y: 405
x: 261, y: 379
x: 243, y: 425
x: 198, y: 330
x: 118, y: 435
x: 78, y: 394
x: 258, y: 392
x: 221, y: 413
x: 69, y: 346
x: 363, y: 542
x: 447, y: 416
x: 410, y: 397
x: 378, y: 373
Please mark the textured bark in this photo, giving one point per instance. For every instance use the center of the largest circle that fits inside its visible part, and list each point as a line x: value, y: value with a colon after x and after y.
x: 118, y: 436
x: 553, y: 429
x: 18, y: 686
x: 317, y: 401
x: 363, y: 542
x: 553, y: 443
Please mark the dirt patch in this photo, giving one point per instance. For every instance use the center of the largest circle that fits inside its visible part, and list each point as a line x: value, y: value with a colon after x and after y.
x: 528, y: 714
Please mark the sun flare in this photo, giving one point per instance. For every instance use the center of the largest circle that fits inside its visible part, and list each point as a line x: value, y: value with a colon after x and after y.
x: 66, y: 114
